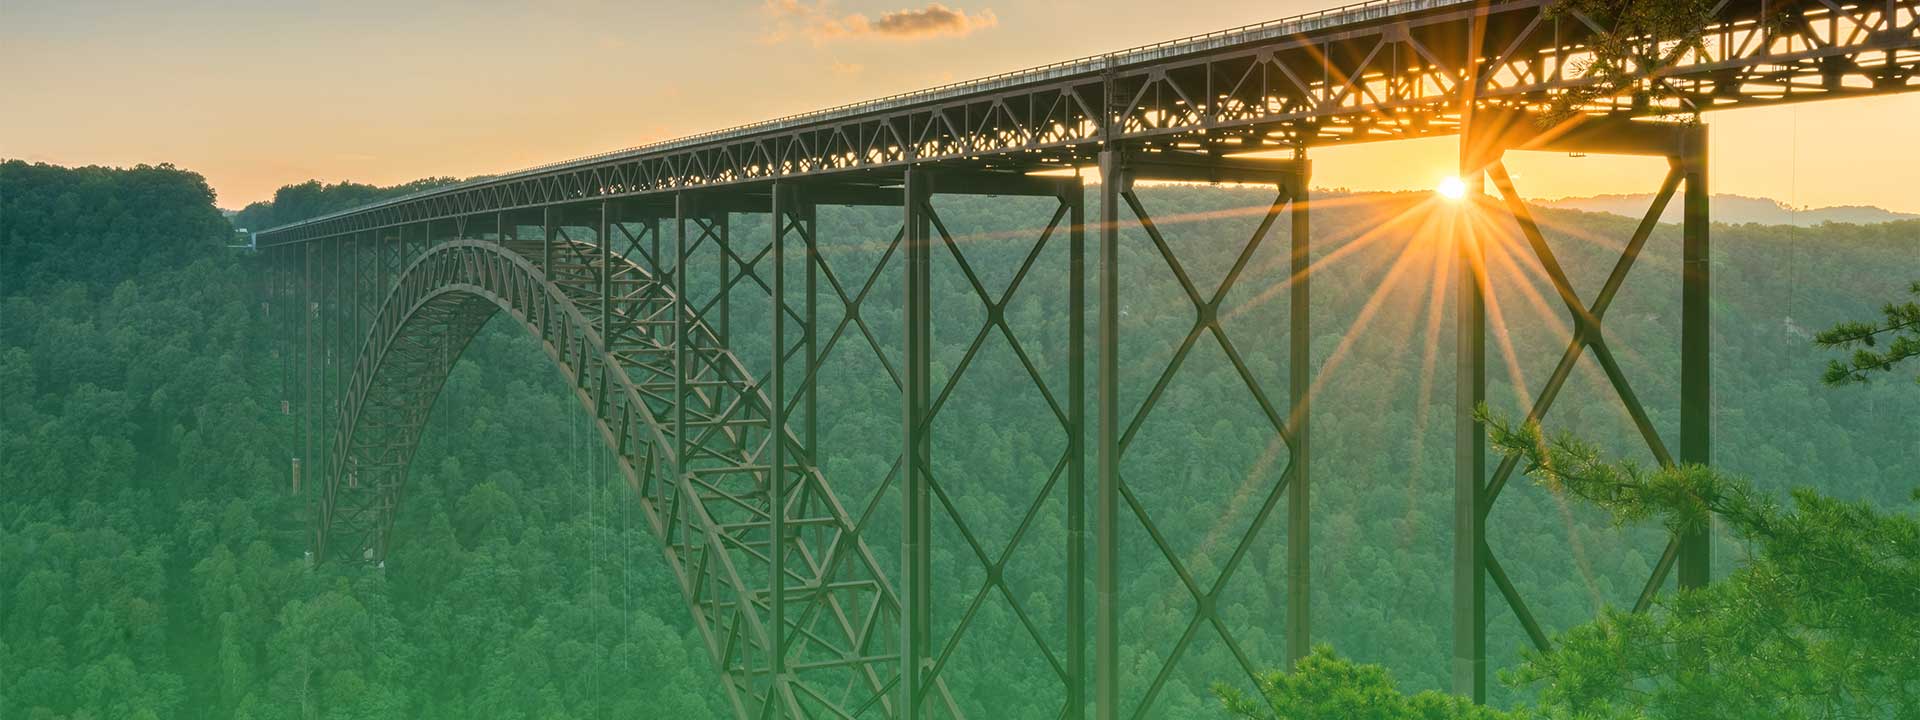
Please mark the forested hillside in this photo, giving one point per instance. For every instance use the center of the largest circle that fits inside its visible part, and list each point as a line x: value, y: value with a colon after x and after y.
x: 151, y: 550
x: 151, y: 553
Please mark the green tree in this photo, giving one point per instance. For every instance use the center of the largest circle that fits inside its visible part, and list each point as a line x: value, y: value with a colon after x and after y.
x: 1878, y: 346
x: 1637, y: 39
x: 1821, y: 620
x: 1325, y: 685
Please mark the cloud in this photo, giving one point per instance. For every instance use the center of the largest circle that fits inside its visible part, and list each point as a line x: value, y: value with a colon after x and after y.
x: 817, y: 22
x: 934, y: 19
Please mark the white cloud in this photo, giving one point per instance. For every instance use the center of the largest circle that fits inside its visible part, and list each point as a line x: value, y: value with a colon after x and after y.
x: 817, y: 22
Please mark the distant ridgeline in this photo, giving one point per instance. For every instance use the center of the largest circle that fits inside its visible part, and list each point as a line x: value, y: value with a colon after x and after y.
x: 1736, y: 210
x: 150, y: 550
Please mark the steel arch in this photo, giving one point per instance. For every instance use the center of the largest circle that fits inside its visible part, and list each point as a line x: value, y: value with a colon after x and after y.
x: 711, y: 514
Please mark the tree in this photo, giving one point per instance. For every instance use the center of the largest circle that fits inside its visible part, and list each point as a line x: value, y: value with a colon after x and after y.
x: 1641, y: 38
x: 1822, y: 620
x: 177, y: 547
x: 1899, y: 331
x: 1325, y: 685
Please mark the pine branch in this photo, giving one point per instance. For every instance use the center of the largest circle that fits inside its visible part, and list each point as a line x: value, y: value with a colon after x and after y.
x: 1901, y: 323
x: 1643, y: 39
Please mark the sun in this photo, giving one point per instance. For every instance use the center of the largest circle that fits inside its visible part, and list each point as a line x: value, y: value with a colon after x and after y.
x: 1452, y: 188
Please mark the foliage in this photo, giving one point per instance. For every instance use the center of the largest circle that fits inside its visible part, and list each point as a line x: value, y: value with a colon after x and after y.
x: 1325, y: 685
x: 1820, y: 620
x: 1641, y: 38
x: 141, y: 428
x: 1902, y: 324
x: 63, y: 224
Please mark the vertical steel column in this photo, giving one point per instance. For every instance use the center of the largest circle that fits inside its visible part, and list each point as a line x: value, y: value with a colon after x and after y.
x: 546, y: 241
x: 724, y: 303
x: 353, y: 242
x: 306, y: 382
x: 336, y: 350
x: 1075, y: 198
x: 812, y: 389
x: 1106, y: 650
x: 380, y: 256
x: 1470, y: 388
x: 1696, y: 338
x: 776, y: 443
x: 916, y: 398
x: 682, y: 209
x: 1299, y: 385
x: 606, y: 274
x: 653, y: 227
x: 284, y: 330
x: 1469, y: 440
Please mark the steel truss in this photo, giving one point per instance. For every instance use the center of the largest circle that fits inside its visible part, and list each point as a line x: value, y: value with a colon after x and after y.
x: 1119, y: 170
x: 1483, y: 149
x: 809, y: 625
x: 925, y: 234
x: 797, y: 612
x: 690, y: 425
x: 1388, y: 71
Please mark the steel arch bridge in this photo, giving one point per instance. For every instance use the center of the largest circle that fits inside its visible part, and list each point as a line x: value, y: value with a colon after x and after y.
x: 703, y: 507
x: 799, y: 614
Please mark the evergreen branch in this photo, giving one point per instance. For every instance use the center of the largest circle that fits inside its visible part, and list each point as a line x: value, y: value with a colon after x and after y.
x: 1632, y: 48
x: 1901, y: 322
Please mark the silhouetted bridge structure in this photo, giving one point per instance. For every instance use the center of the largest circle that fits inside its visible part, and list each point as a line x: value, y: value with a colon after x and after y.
x: 780, y: 574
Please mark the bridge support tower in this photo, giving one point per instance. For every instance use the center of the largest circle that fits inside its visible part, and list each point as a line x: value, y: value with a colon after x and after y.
x: 1115, y: 506
x: 1489, y: 136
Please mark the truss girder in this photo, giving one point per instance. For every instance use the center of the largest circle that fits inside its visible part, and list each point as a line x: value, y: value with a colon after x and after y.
x: 1387, y: 75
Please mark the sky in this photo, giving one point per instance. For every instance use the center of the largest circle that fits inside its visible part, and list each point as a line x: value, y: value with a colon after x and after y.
x: 255, y: 94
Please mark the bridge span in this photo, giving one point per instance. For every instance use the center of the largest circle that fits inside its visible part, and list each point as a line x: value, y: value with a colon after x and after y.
x: 801, y: 615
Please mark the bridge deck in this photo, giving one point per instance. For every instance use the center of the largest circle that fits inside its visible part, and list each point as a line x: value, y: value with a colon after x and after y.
x: 1379, y: 70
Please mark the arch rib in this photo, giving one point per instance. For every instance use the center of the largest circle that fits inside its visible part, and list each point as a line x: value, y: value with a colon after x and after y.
x: 712, y: 521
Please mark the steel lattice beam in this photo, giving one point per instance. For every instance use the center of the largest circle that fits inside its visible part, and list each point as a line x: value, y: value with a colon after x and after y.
x: 1483, y: 150
x: 1381, y: 71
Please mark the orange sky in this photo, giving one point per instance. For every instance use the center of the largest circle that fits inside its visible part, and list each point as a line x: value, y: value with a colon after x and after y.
x: 255, y: 95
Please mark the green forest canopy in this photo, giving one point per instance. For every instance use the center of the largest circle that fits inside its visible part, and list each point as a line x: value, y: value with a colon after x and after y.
x: 151, y: 554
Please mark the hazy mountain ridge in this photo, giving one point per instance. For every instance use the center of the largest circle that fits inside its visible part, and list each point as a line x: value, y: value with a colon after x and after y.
x: 1736, y: 210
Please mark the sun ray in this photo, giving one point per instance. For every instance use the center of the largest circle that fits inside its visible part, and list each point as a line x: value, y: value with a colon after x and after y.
x: 1373, y: 235
x: 1556, y: 312
x: 1496, y: 316
x: 1408, y: 258
x: 1440, y: 287
x: 1367, y: 312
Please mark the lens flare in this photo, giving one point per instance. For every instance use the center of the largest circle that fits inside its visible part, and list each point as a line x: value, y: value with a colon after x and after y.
x: 1452, y: 188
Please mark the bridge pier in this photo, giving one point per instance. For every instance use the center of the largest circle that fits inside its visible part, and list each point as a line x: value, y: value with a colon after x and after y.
x: 916, y: 544
x: 790, y: 215
x: 1490, y: 135
x: 923, y: 657
x: 1120, y: 167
